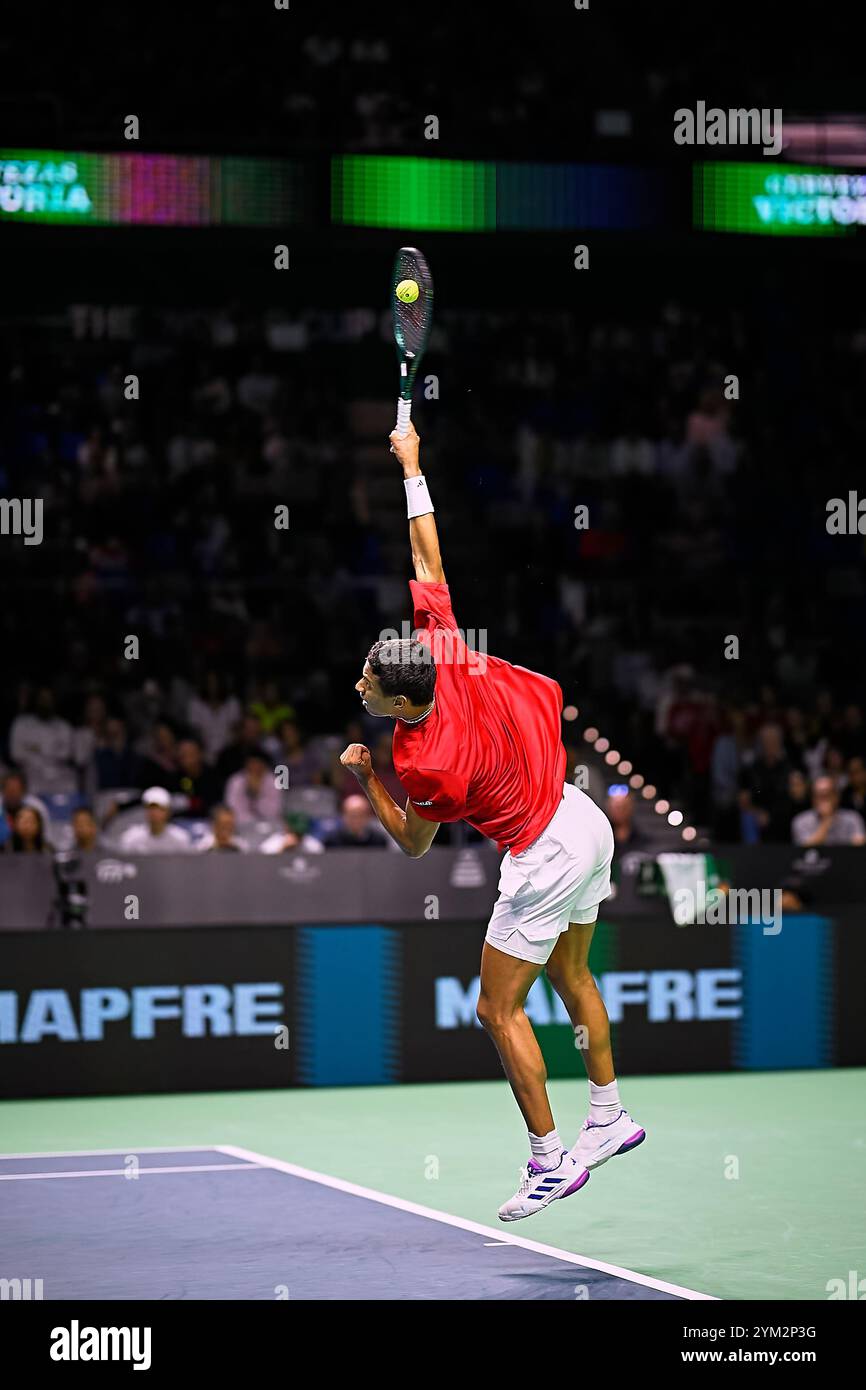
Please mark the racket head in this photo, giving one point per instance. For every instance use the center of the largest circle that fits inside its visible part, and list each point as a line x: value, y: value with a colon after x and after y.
x: 412, y: 322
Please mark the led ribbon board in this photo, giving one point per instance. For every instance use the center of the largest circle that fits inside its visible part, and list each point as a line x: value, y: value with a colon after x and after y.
x: 151, y: 190
x: 778, y: 200
x: 456, y: 195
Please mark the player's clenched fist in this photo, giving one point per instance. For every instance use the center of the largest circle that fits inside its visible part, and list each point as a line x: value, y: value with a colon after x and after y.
x: 357, y: 759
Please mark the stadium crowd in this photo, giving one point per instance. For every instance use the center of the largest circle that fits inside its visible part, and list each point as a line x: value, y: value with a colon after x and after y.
x: 159, y: 526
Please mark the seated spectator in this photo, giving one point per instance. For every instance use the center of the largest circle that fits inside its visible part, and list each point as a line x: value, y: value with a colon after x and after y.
x: 825, y: 824
x: 289, y: 751
x: 620, y: 808
x: 246, y: 738
x: 199, y: 783
x: 295, y: 836
x: 14, y: 795
x: 764, y: 787
x: 799, y: 796
x: 41, y: 744
x: 270, y: 709
x: 157, y: 836
x: 213, y: 714
x: 87, y: 736
x: 28, y: 832
x: 159, y: 753
x: 85, y: 831
x: 356, y: 829
x: 115, y: 762
x: 854, y: 795
x: 221, y: 836
x: 253, y: 794
x: 851, y: 736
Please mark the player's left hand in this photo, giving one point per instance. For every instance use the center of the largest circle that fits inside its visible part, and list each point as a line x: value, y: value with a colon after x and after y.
x: 357, y: 759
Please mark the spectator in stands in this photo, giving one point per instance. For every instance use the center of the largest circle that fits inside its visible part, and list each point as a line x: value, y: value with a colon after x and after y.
x: 199, y: 783
x: 222, y: 836
x: 289, y: 751
x: 295, y: 836
x: 115, y: 763
x: 14, y: 795
x: 854, y: 795
x: 213, y: 714
x: 764, y: 787
x: 270, y: 709
x: 157, y: 835
x: 620, y: 808
x: 41, y: 744
x: 85, y: 831
x: 851, y: 736
x: 90, y: 734
x: 252, y: 794
x: 725, y: 773
x: 799, y: 795
x: 246, y: 738
x: 28, y: 832
x: 826, y: 824
x: 356, y: 829
x: 159, y: 753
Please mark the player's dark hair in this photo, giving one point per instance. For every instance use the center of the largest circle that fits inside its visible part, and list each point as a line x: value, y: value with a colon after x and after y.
x: 404, y: 666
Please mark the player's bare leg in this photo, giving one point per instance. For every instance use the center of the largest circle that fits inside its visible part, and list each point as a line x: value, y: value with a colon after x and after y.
x: 505, y: 983
x: 569, y: 973
x: 551, y: 1173
x: 609, y: 1130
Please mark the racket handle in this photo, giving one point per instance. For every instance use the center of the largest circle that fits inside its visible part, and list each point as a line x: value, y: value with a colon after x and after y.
x: 404, y: 416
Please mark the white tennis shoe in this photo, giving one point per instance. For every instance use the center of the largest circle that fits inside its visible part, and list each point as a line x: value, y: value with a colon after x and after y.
x: 539, y: 1187
x: 597, y: 1143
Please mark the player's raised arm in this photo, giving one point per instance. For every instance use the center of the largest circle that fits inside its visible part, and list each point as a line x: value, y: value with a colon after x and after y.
x: 423, y: 535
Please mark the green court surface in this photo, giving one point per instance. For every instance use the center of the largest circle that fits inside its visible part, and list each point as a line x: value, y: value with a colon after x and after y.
x: 749, y: 1185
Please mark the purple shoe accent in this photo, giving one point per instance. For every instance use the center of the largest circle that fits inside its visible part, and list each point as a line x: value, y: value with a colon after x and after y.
x: 596, y: 1124
x: 535, y: 1167
x: 577, y: 1184
x: 632, y: 1143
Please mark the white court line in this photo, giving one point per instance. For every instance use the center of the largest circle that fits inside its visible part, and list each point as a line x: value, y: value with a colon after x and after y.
x: 461, y: 1222
x: 125, y: 1172
x: 104, y: 1153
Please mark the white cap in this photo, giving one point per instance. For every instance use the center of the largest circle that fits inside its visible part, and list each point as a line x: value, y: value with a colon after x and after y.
x: 157, y: 796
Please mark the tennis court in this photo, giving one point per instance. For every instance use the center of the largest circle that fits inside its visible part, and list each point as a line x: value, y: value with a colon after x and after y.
x: 372, y: 1193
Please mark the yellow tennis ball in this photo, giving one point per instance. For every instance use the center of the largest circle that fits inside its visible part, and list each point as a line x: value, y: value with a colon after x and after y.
x: 407, y: 291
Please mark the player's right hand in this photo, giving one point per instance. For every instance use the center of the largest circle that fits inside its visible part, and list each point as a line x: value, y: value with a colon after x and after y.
x: 357, y: 759
x: 406, y: 446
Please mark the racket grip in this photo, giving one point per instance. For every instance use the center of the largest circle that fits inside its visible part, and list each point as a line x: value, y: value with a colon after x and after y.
x: 404, y: 416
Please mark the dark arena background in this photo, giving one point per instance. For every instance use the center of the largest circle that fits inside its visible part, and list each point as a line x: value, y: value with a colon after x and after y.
x: 642, y: 415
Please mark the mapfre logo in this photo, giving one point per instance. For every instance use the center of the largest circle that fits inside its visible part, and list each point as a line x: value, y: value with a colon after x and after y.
x: 300, y: 870
x: 115, y: 870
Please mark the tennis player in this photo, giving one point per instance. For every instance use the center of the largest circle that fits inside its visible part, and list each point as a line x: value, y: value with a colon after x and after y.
x: 478, y: 739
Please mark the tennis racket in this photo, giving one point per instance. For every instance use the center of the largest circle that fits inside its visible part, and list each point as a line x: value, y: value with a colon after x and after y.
x: 413, y: 317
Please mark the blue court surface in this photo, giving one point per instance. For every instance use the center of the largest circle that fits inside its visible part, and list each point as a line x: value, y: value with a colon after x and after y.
x: 227, y: 1223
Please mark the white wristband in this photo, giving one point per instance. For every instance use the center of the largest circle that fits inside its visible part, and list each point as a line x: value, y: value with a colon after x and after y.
x: 417, y: 496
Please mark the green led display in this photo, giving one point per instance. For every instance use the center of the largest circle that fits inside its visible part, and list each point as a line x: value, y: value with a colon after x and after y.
x: 449, y: 195
x: 778, y: 199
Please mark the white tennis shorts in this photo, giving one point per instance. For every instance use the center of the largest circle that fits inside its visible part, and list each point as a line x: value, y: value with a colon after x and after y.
x: 561, y: 878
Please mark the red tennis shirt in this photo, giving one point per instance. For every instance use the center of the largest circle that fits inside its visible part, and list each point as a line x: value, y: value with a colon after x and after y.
x: 490, y: 752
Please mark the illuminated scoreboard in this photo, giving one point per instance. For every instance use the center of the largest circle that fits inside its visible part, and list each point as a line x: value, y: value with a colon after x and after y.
x: 151, y: 190
x: 778, y: 200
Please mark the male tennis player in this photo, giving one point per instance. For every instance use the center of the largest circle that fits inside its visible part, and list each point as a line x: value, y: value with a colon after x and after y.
x: 478, y: 739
